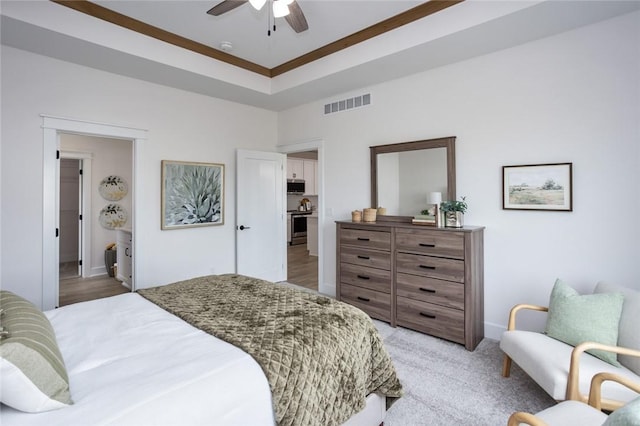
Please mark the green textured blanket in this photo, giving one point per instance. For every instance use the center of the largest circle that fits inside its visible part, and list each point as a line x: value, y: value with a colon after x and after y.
x: 321, y: 357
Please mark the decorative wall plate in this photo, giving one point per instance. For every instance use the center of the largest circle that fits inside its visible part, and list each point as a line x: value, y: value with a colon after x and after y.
x: 113, y: 188
x: 113, y: 216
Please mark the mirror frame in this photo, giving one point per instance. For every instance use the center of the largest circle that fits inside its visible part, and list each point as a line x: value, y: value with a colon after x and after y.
x: 448, y: 143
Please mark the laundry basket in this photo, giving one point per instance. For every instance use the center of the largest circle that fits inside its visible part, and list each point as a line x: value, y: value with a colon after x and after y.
x: 110, y: 257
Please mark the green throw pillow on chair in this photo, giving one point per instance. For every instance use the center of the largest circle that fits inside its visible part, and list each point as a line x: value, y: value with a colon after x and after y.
x: 628, y: 415
x: 574, y: 319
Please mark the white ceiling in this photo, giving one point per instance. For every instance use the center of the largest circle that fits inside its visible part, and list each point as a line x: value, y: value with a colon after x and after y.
x: 468, y: 29
x: 246, y: 28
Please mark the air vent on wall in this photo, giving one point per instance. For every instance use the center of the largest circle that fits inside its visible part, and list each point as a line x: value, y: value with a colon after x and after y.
x: 347, y: 104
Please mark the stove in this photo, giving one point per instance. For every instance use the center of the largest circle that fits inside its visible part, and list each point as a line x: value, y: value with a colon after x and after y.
x: 299, y: 226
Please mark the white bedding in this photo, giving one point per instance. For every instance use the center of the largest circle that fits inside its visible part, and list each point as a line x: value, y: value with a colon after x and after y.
x: 132, y: 363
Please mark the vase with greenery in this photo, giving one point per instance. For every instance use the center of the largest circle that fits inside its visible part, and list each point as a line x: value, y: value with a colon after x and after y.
x: 454, y: 212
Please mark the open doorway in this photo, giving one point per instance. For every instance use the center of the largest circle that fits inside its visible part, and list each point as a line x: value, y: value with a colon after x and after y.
x: 87, y: 234
x: 53, y: 129
x: 302, y: 218
x: 70, y: 218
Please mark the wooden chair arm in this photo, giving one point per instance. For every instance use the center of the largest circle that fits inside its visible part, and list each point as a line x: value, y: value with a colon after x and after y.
x: 521, y: 417
x: 515, y: 309
x: 573, y: 389
x: 595, y: 392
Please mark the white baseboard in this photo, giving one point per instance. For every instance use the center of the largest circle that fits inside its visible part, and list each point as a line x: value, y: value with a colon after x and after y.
x: 493, y: 331
x: 97, y: 271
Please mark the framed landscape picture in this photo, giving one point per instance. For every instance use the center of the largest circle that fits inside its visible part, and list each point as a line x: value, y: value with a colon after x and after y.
x: 192, y: 194
x: 537, y: 187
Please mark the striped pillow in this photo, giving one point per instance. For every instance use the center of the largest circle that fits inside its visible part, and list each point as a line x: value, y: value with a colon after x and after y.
x: 34, y: 378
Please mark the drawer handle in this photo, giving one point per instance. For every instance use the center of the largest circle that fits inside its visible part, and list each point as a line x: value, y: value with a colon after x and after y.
x: 422, y: 314
x: 364, y: 277
x: 363, y: 239
x: 364, y: 299
x: 427, y: 267
x: 426, y: 245
x: 364, y: 257
x: 428, y: 290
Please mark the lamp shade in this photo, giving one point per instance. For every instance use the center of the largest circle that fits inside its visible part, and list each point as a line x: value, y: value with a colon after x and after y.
x: 280, y: 9
x: 434, y: 198
x: 257, y: 4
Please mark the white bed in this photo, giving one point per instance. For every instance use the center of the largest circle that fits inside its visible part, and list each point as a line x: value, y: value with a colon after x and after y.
x: 132, y: 363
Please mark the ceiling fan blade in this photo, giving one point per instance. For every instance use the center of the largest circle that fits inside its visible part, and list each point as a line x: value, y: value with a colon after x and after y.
x: 225, y: 6
x: 296, y: 18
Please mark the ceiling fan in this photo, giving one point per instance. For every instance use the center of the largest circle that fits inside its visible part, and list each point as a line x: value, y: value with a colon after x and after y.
x: 288, y: 9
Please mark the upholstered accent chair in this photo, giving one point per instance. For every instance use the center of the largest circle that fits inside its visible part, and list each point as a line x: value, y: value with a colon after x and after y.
x: 578, y: 413
x: 564, y: 370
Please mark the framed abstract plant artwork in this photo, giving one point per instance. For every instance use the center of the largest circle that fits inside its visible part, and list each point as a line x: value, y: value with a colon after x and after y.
x: 538, y: 187
x: 192, y: 194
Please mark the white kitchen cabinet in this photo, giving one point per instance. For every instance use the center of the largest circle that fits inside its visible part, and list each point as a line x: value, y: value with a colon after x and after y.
x: 288, y: 228
x: 295, y: 168
x: 124, y: 247
x: 310, y: 169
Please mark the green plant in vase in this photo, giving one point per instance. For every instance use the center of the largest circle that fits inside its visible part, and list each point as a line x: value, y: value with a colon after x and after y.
x: 454, y: 212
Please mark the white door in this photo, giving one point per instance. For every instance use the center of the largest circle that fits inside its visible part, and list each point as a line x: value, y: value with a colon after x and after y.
x: 260, y: 215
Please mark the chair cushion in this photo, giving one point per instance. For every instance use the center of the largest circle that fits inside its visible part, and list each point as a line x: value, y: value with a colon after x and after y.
x: 629, y: 415
x: 572, y: 413
x: 546, y: 361
x: 575, y: 319
x: 34, y: 377
x: 628, y: 335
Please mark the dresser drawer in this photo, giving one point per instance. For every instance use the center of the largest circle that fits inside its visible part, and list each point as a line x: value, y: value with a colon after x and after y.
x: 364, y: 257
x: 374, y: 303
x: 431, y: 319
x: 432, y: 290
x: 362, y: 276
x: 430, y: 266
x: 380, y: 240
x: 437, y: 243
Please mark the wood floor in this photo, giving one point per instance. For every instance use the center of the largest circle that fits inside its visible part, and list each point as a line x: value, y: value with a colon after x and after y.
x: 302, y: 268
x: 76, y: 289
x: 302, y: 271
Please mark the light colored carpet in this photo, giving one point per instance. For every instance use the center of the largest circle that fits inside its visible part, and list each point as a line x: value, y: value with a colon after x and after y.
x: 445, y: 384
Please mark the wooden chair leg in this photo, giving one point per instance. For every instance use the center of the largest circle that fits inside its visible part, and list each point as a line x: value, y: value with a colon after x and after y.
x: 506, y: 366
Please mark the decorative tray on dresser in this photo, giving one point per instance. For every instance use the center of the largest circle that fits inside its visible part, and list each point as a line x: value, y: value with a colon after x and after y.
x: 424, y: 278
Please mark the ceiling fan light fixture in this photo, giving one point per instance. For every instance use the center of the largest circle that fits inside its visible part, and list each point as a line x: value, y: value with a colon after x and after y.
x: 257, y: 4
x: 280, y: 9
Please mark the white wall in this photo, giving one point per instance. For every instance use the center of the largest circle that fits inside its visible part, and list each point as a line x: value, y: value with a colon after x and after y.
x: 181, y: 126
x: 108, y: 157
x: 574, y: 97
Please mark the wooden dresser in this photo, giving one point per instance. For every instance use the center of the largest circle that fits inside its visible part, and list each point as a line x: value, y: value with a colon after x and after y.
x: 423, y: 278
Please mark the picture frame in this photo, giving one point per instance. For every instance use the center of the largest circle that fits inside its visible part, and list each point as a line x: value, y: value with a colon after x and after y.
x: 192, y: 194
x: 538, y: 187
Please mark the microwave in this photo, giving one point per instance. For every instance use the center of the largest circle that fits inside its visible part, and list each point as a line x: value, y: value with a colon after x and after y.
x: 295, y: 186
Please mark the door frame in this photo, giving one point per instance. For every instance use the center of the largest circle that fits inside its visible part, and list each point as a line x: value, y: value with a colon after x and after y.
x: 314, y: 145
x: 52, y: 126
x: 85, y: 159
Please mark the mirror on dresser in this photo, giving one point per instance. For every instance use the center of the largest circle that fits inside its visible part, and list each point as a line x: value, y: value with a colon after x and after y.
x: 402, y: 174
